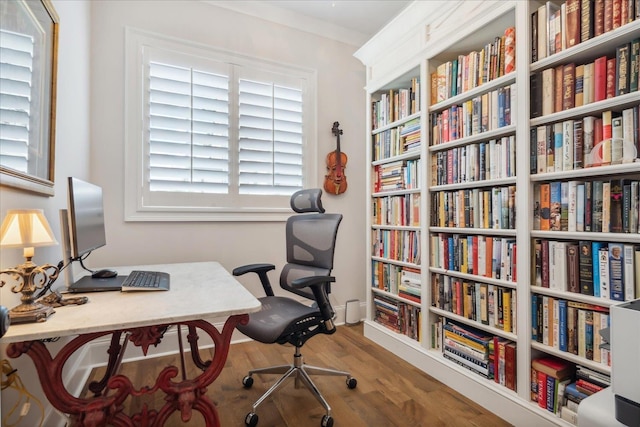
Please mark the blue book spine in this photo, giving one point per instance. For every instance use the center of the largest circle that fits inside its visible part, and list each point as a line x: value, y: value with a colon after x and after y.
x: 551, y: 392
x: 451, y: 252
x: 595, y: 254
x: 556, y: 205
x: 534, y: 317
x: 562, y: 325
x: 501, y: 108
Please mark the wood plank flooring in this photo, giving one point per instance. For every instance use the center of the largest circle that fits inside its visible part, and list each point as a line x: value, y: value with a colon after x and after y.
x: 390, y: 391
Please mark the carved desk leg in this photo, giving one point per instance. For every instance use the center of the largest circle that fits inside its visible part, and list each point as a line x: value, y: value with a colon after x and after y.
x: 183, y: 396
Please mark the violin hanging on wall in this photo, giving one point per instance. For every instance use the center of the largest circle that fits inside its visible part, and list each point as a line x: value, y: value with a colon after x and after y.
x: 335, y: 181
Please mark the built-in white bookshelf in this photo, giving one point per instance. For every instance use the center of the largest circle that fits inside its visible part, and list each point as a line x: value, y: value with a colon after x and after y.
x: 419, y: 43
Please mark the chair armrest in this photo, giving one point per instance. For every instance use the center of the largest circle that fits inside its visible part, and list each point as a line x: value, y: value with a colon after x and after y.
x: 252, y: 268
x: 319, y: 293
x: 261, y: 270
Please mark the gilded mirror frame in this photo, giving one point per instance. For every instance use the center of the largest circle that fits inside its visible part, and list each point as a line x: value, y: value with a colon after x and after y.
x: 27, y: 148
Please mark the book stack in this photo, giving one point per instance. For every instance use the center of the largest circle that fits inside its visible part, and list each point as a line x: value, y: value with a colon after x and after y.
x: 397, y: 175
x: 468, y: 347
x: 587, y: 382
x: 552, y: 375
x: 410, y: 284
x: 410, y: 135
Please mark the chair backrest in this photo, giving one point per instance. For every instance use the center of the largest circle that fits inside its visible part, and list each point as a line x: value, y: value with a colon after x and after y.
x: 310, y: 239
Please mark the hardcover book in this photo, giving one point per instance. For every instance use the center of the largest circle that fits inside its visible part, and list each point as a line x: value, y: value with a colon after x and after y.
x: 586, y: 268
x: 616, y: 271
x: 573, y: 20
x: 623, y: 53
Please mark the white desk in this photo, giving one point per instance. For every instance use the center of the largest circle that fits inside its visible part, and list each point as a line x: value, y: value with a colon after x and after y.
x: 199, y: 292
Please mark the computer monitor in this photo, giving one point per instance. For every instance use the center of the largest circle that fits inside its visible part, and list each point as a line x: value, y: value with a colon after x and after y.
x: 85, y: 215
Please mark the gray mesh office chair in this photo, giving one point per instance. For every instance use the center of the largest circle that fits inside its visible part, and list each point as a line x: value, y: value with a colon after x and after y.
x: 310, y: 240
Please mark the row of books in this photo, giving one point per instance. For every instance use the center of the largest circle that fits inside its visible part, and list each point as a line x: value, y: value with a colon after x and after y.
x: 482, y: 113
x: 398, y: 280
x: 399, y: 245
x: 600, y: 269
x: 396, y: 141
x: 610, y: 206
x: 484, y: 303
x: 396, y: 210
x: 398, y: 175
x: 611, y: 138
x: 398, y: 316
x: 492, y: 208
x: 570, y: 326
x: 493, y: 159
x: 555, y: 28
x: 475, y: 68
x: 484, y: 256
x: 573, y: 85
x: 396, y: 105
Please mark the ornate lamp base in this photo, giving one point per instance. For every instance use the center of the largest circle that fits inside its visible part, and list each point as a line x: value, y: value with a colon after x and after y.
x: 33, y: 313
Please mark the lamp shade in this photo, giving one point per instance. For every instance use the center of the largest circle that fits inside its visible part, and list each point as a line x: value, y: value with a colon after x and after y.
x: 26, y: 228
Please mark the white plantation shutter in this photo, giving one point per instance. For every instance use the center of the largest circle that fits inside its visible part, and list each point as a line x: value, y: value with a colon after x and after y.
x: 16, y: 73
x: 214, y: 135
x: 188, y: 130
x: 270, y: 138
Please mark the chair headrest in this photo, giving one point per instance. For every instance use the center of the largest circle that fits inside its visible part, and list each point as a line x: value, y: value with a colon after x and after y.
x: 308, y: 200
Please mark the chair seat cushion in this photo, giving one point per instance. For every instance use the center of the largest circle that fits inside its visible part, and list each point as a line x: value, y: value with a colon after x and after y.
x: 277, y: 314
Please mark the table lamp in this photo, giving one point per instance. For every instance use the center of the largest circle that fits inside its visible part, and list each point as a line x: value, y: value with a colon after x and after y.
x: 27, y: 228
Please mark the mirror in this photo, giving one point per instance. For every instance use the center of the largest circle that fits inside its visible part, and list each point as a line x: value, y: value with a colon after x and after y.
x: 28, y: 65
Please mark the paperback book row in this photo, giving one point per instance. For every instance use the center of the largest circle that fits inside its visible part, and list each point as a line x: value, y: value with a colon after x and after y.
x: 489, y: 356
x: 485, y: 256
x: 403, y: 209
x: 556, y: 27
x: 610, y: 206
x: 610, y: 138
x: 398, y: 175
x: 573, y: 85
x: 468, y: 71
x: 482, y: 113
x: 402, y: 281
x: 604, y: 270
x: 570, y: 326
x: 399, y: 245
x: 491, y: 208
x: 396, y: 104
x: 493, y: 159
x: 559, y: 386
x: 395, y: 141
x: 398, y: 316
x: 489, y: 304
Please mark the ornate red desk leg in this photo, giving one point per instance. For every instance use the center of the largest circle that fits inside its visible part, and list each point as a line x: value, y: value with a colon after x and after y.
x: 184, y: 396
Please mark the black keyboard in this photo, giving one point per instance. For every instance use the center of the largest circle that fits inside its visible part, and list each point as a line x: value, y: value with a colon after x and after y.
x: 146, y: 281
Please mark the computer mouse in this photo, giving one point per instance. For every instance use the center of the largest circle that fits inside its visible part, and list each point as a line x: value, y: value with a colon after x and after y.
x: 104, y: 274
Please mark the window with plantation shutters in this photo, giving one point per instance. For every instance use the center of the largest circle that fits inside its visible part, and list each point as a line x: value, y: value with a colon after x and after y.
x: 214, y: 135
x: 188, y: 130
x: 270, y: 138
x: 16, y: 74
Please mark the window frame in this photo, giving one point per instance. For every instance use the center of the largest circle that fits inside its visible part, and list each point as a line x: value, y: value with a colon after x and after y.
x: 138, y: 206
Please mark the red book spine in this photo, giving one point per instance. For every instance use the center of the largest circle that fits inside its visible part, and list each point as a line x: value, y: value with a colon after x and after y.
x: 598, y: 18
x: 600, y: 78
x: 611, y: 78
x: 542, y: 390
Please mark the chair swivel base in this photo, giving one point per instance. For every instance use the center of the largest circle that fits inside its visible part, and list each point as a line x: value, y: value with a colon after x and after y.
x: 300, y: 372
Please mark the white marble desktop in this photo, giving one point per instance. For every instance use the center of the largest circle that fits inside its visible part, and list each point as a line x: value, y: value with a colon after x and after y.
x: 202, y: 290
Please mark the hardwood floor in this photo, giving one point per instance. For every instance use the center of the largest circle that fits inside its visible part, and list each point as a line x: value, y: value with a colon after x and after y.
x: 390, y: 391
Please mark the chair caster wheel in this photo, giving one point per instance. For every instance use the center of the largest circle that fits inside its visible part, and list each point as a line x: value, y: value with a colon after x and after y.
x: 247, y: 382
x: 327, y: 421
x: 251, y: 419
x: 352, y: 383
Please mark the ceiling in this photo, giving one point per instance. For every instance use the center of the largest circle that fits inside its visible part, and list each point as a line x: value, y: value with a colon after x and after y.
x: 349, y: 21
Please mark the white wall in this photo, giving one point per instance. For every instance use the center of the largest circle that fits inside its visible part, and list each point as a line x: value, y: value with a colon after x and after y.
x: 72, y: 158
x: 90, y: 141
x: 340, y: 97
